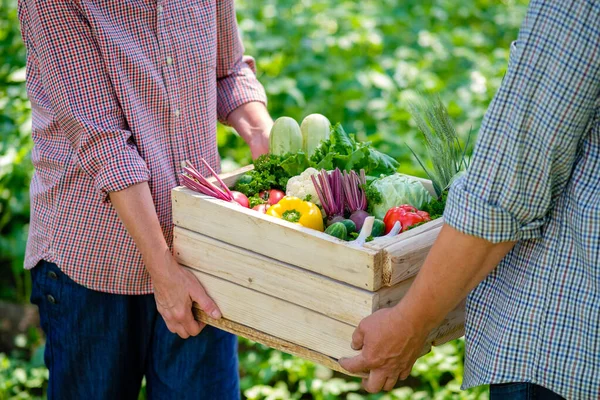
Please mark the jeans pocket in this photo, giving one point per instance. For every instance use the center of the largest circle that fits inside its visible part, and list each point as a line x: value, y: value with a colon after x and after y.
x: 47, y: 288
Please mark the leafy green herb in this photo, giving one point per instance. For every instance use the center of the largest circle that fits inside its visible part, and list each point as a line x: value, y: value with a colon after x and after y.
x: 294, y: 164
x: 343, y: 151
x: 255, y: 200
x: 354, y: 236
x: 435, y: 207
x: 268, y: 174
x: 308, y: 197
x: 373, y: 197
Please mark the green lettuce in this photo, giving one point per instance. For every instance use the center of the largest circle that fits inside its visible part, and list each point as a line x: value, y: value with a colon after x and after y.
x: 343, y: 151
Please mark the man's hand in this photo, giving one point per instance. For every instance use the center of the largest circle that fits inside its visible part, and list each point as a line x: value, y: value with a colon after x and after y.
x: 259, y: 144
x: 253, y: 123
x: 390, y: 345
x: 392, y: 339
x: 175, y: 288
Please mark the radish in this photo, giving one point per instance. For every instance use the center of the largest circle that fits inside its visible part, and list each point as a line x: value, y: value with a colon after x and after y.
x: 356, y: 200
x: 358, y: 217
x: 192, y: 179
x: 241, y: 199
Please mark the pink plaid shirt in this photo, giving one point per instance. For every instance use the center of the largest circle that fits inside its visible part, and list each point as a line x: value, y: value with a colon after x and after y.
x: 122, y: 92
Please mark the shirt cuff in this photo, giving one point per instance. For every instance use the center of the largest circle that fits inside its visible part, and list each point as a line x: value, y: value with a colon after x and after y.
x: 238, y: 88
x: 472, y: 215
x: 125, y: 169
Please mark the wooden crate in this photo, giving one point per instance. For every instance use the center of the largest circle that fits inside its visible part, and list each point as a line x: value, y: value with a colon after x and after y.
x: 293, y: 288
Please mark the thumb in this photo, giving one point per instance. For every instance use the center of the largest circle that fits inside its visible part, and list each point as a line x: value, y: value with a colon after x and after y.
x: 206, y: 304
x: 354, y: 364
x: 358, y: 337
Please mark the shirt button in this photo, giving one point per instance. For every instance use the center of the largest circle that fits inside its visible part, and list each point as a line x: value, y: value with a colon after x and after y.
x: 52, y: 275
x: 51, y: 299
x: 177, y: 113
x: 169, y: 61
x: 159, y: 8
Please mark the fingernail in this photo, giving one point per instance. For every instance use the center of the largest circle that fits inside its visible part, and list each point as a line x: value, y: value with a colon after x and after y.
x: 215, y: 314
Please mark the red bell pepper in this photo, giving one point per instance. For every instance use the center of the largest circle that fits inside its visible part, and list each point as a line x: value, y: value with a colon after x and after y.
x: 406, y: 214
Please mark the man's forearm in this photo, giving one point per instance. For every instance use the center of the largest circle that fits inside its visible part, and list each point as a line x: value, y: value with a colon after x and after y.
x: 455, y: 265
x: 250, y: 120
x: 135, y: 208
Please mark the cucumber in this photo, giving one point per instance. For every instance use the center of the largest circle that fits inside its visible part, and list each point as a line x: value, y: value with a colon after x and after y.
x: 285, y: 137
x: 337, y: 230
x: 378, y: 228
x: 350, y: 225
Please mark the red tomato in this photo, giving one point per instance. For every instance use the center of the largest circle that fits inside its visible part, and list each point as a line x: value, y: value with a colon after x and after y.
x: 406, y: 214
x: 241, y: 199
x: 272, y: 196
x: 261, y: 208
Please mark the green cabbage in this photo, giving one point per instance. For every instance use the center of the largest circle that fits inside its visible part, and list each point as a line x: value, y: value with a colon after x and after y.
x: 396, y: 190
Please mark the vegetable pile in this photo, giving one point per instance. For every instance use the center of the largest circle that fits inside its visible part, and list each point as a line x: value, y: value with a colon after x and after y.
x: 320, y: 177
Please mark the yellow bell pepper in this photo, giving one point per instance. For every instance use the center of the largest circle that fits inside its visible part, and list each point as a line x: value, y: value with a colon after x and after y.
x: 295, y: 210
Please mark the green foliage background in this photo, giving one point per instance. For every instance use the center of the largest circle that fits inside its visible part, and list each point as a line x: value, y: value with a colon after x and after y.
x: 354, y: 61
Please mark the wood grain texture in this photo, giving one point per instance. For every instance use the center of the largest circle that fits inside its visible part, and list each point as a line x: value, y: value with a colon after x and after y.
x: 335, y: 299
x: 279, y: 318
x: 230, y: 178
x: 404, y: 259
x: 298, y: 325
x: 273, y: 342
x: 382, y: 243
x: 390, y: 296
x: 457, y: 333
x: 291, y: 348
x: 278, y: 239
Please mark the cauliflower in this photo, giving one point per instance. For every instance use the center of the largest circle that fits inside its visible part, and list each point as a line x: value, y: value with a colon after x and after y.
x: 302, y: 186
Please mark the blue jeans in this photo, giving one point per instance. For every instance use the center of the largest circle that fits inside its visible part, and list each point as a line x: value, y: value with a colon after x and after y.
x: 100, y: 345
x: 521, y: 391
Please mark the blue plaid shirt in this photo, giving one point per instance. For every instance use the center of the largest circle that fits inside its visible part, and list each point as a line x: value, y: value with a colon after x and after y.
x: 535, y: 179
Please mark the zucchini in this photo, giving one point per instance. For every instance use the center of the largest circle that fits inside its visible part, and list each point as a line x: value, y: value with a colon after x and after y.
x: 315, y: 128
x: 285, y: 137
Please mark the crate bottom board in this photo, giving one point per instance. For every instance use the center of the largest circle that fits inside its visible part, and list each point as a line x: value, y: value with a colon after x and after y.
x: 292, y: 328
x: 296, y: 350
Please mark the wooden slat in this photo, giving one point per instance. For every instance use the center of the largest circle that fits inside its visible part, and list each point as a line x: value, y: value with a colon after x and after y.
x: 457, y: 333
x: 404, y: 259
x: 390, y: 296
x: 383, y: 242
x: 298, y: 325
x: 278, y: 239
x: 230, y: 178
x: 299, y: 351
x: 403, y: 255
x: 273, y: 342
x: 450, y: 327
x: 246, y: 268
x: 288, y: 347
x: 279, y: 318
